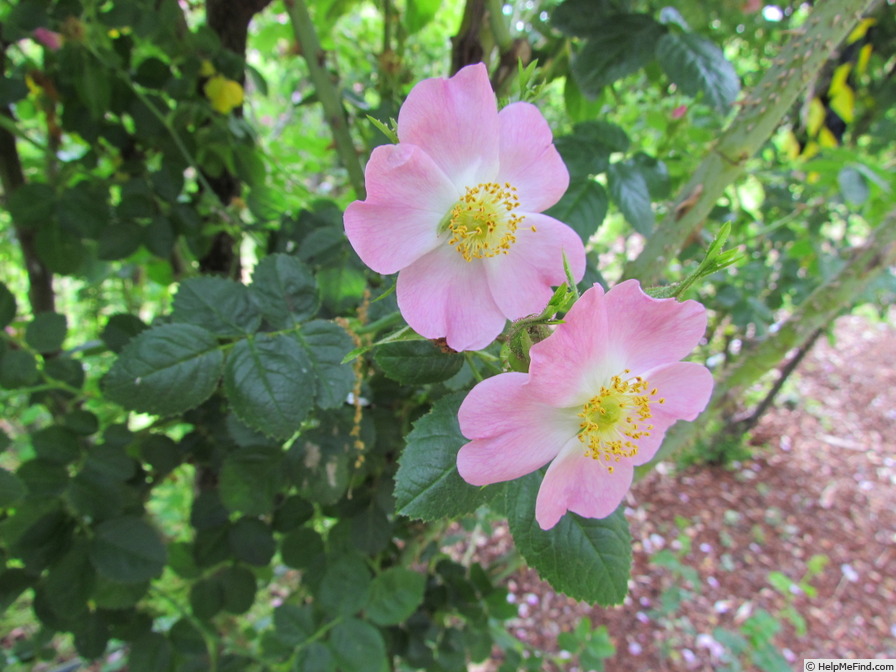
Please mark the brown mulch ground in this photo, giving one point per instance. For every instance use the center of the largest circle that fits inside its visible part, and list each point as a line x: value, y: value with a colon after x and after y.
x: 821, y: 482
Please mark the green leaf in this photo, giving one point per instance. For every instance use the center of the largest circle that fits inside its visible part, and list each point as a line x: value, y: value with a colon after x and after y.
x: 582, y: 158
x: 83, y: 209
x: 8, y: 306
x: 239, y: 586
x: 152, y: 652
x: 206, y: 598
x: 11, y: 489
x: 18, y: 368
x: 81, y: 422
x: 291, y: 512
x: 62, y: 251
x: 417, y: 362
x: 320, y: 460
x: 344, y: 587
x: 427, y: 484
x: 221, y: 306
x: 114, y: 595
x: 92, y: 83
x: 46, y: 332
x: 42, y: 478
x: 56, y: 444
x: 395, y: 595
x: 120, y: 329
x: 585, y: 558
x: 189, y: 642
x: 119, y: 241
x: 359, y: 647
x: 655, y: 174
x: 316, y: 657
x: 630, y: 192
x: 583, y: 207
x: 12, y: 89
x: 166, y: 370
x: 32, y: 205
x: 44, y: 540
x: 284, y: 290
x: 127, y: 550
x: 269, y: 382
x: 605, y: 136
x: 293, y: 624
x: 159, y: 236
x: 300, y: 547
x: 620, y: 46
x: 13, y: 582
x: 327, y: 344
x: 250, y: 479
x: 70, y: 582
x: 697, y: 65
x: 419, y: 13
x: 582, y: 18
x: 91, y: 635
x: 252, y: 542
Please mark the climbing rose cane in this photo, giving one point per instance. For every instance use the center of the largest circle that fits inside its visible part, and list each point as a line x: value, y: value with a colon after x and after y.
x: 600, y: 394
x: 455, y: 207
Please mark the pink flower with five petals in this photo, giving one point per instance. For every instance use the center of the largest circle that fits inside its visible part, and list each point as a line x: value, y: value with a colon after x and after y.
x: 456, y: 209
x: 600, y: 394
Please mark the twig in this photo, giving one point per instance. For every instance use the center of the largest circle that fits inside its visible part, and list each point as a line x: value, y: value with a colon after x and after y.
x: 327, y: 92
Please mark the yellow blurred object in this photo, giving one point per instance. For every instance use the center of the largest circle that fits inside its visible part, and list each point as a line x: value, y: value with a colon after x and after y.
x: 826, y: 138
x: 224, y: 94
x: 33, y: 87
x: 791, y: 145
x: 844, y: 104
x: 864, y: 57
x: 859, y: 31
x: 813, y: 177
x: 815, y: 117
x: 811, y: 150
x: 838, y: 79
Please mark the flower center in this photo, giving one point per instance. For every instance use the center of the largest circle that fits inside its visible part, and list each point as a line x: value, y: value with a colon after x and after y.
x: 484, y: 221
x: 615, y: 418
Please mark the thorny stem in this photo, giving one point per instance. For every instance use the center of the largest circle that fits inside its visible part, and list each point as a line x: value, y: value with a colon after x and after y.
x: 820, y: 308
x: 761, y: 110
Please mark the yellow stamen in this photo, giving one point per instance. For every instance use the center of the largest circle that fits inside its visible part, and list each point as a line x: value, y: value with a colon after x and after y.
x: 616, y: 418
x: 484, y: 221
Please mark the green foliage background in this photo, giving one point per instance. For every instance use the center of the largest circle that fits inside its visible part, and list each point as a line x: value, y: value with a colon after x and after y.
x: 191, y: 468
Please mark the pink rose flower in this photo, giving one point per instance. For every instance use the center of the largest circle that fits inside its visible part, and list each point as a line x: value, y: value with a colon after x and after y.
x: 600, y: 394
x: 455, y: 208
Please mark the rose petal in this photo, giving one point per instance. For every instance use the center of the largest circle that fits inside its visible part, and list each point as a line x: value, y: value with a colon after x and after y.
x: 686, y: 388
x: 646, y: 332
x: 407, y: 197
x: 455, y: 121
x: 577, y: 483
x: 521, y: 281
x: 529, y: 160
x: 570, y: 365
x: 441, y: 295
x: 512, y: 433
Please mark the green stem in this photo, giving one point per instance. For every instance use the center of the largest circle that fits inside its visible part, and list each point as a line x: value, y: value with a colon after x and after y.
x: 327, y: 92
x: 496, y: 21
x: 762, y: 109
